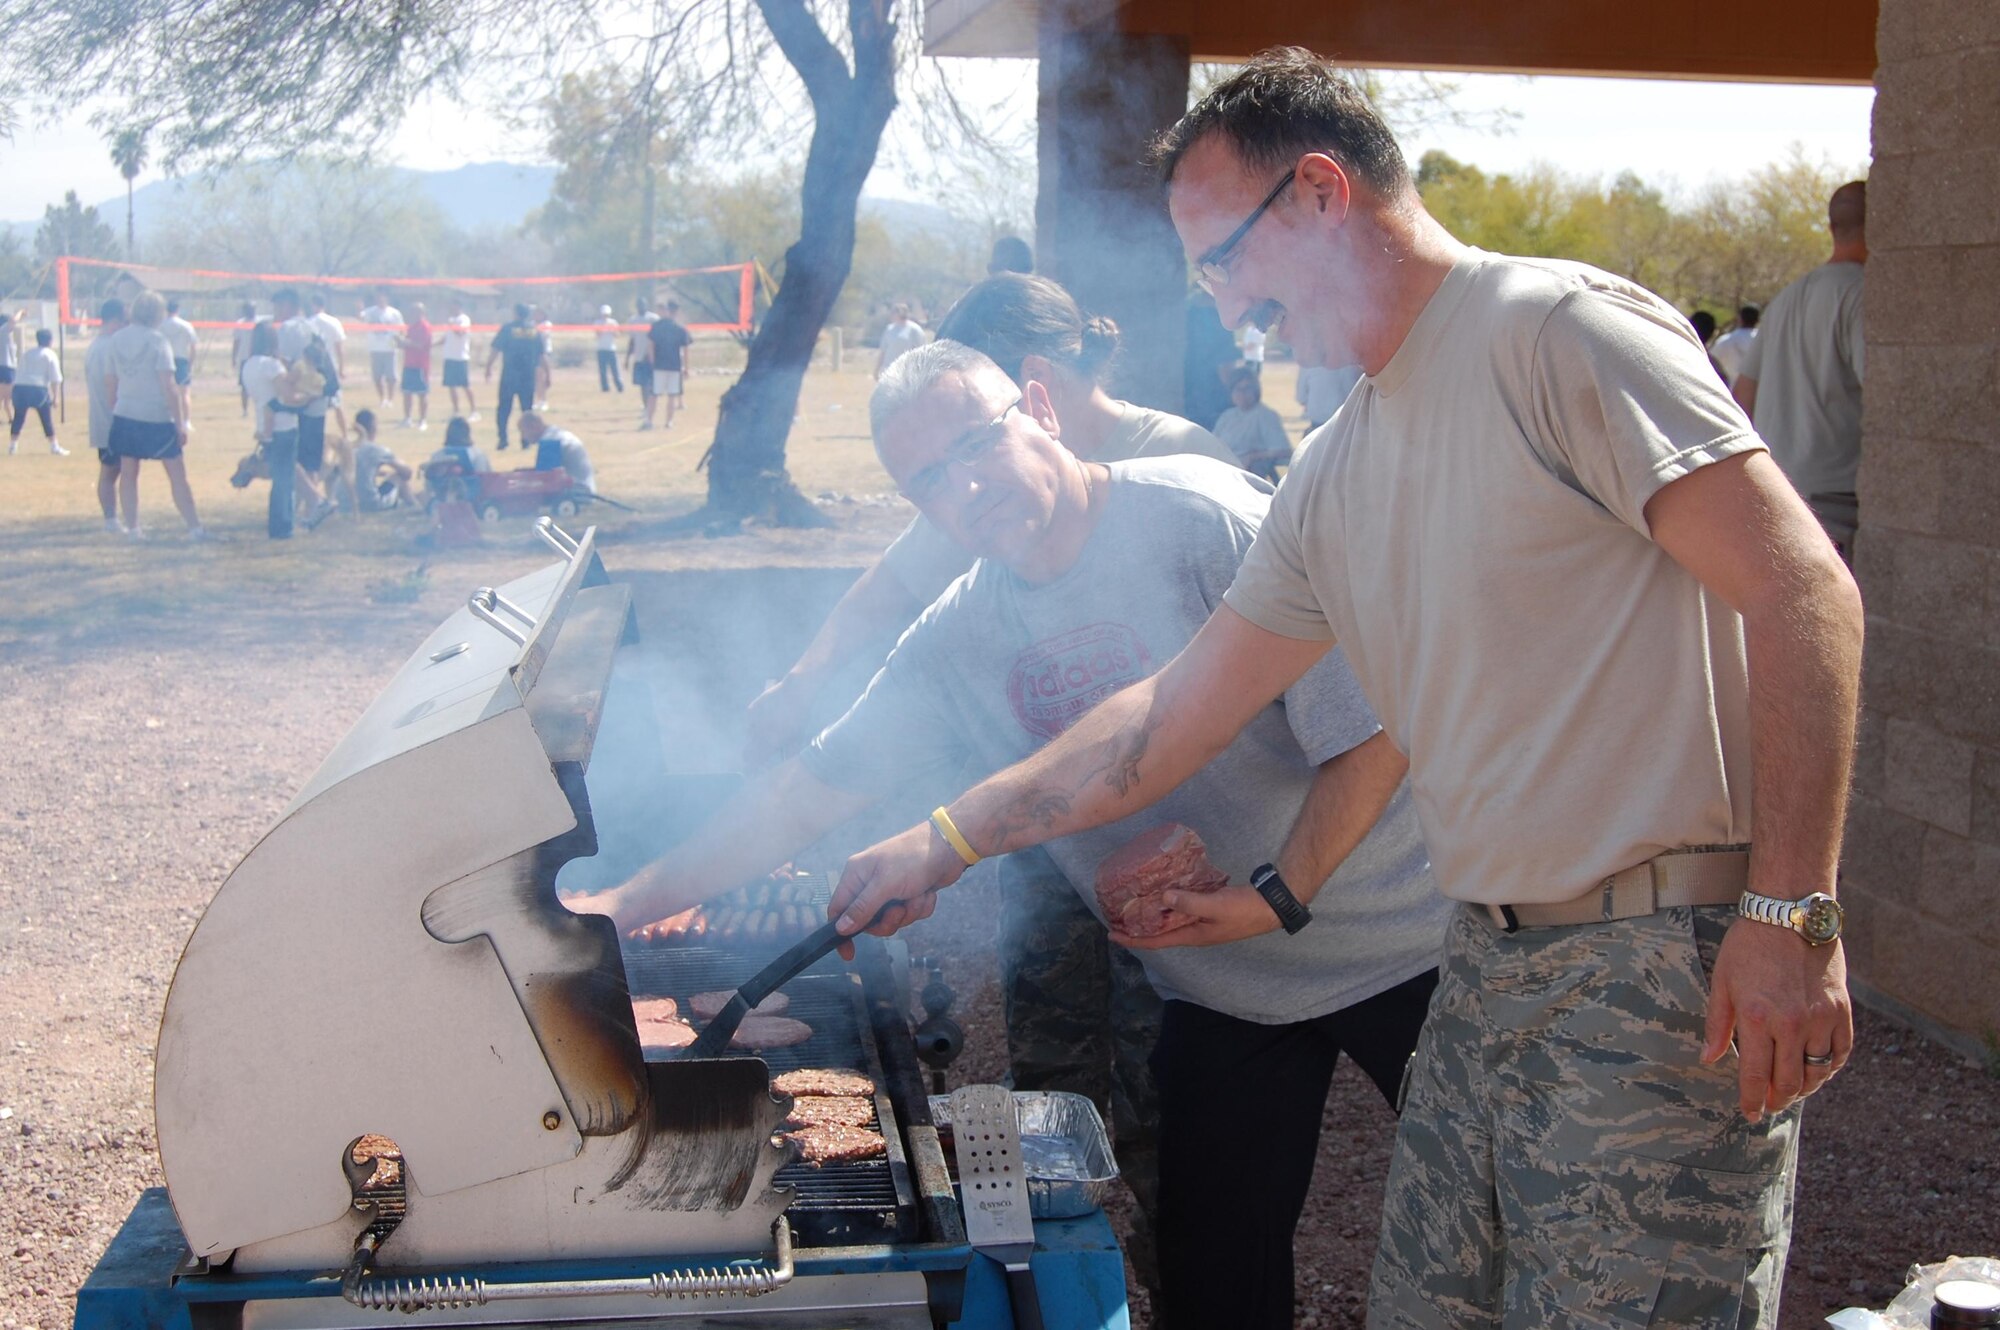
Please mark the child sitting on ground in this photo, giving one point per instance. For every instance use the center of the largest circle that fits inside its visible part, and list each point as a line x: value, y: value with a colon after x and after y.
x: 1253, y: 431
x: 376, y: 478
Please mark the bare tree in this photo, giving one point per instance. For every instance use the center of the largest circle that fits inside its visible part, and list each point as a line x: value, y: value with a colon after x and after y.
x: 216, y: 80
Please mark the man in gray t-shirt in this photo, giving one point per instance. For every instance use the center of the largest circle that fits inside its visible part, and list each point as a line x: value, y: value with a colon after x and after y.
x: 1090, y: 577
x: 1801, y: 378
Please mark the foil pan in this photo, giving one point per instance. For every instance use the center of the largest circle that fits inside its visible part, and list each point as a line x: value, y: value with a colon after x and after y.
x: 1064, y: 1150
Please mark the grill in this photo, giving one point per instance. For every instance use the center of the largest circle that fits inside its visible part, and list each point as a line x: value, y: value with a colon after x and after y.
x: 392, y: 958
x: 836, y: 1204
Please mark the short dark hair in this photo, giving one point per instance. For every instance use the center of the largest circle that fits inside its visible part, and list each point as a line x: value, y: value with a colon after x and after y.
x: 1286, y: 103
x: 113, y: 308
x: 1747, y: 316
x: 523, y: 311
x: 173, y: 306
x: 43, y: 337
x: 285, y: 295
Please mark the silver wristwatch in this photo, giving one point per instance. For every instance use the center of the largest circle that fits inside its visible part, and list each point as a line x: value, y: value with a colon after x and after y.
x: 1817, y: 918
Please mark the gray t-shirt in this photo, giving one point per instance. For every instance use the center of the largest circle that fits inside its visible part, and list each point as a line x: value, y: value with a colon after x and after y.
x: 998, y: 667
x: 96, y: 372
x: 139, y: 355
x: 1807, y: 361
x: 925, y: 560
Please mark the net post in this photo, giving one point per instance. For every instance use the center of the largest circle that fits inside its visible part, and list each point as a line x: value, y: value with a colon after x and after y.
x: 63, y: 314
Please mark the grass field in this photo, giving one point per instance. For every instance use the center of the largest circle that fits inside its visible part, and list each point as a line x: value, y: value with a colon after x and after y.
x: 63, y: 577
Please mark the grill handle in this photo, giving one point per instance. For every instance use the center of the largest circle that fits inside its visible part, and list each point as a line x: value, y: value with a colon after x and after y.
x: 436, y: 1292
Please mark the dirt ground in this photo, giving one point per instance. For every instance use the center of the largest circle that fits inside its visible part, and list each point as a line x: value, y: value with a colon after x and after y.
x: 164, y: 704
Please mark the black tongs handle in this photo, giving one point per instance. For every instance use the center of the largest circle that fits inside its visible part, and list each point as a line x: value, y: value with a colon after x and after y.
x: 713, y: 1040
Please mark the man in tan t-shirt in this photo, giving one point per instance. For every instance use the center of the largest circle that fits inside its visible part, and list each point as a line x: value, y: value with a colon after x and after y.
x: 1552, y: 548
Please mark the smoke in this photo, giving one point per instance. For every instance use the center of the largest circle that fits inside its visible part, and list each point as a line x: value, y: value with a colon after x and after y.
x: 669, y: 747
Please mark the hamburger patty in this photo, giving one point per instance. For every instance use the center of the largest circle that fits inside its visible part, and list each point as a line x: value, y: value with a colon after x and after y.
x: 838, y: 1145
x: 707, y: 1006
x: 819, y: 1110
x: 648, y: 1009
x: 821, y: 1081
x: 662, y: 1035
x: 770, y: 1032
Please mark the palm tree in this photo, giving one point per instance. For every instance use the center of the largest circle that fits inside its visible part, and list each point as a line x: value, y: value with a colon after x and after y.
x: 128, y: 153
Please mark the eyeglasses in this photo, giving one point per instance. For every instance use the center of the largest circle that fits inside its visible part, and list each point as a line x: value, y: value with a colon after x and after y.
x: 1214, y: 265
x: 966, y: 450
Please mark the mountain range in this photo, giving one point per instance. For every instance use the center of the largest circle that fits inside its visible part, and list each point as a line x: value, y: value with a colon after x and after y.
x: 476, y: 197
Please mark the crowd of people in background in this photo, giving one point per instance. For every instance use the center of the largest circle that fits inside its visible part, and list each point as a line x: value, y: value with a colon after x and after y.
x: 1801, y: 384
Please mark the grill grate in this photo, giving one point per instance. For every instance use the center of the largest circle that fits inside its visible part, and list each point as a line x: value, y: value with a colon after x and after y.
x: 834, y: 1203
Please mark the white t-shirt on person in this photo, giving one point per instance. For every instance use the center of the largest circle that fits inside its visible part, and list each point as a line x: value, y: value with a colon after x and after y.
x: 925, y: 560
x: 261, y: 377
x: 1252, y: 340
x: 39, y: 369
x: 383, y: 339
x: 457, y: 343
x: 180, y: 336
x: 1471, y: 528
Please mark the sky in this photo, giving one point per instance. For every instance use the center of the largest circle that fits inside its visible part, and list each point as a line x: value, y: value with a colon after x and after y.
x: 1675, y: 134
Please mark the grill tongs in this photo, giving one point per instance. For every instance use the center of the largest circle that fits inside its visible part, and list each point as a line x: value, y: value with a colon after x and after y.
x: 714, y: 1041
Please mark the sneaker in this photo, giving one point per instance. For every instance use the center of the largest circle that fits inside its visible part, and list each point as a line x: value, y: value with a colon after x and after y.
x: 325, y: 509
x: 58, y: 449
x: 472, y: 419
x: 135, y: 533
x: 503, y: 445
x: 114, y: 526
x: 13, y: 446
x: 645, y: 425
x: 201, y: 535
x: 423, y: 426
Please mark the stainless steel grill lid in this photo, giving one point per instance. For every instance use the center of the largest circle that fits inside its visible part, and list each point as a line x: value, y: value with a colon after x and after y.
x: 391, y: 958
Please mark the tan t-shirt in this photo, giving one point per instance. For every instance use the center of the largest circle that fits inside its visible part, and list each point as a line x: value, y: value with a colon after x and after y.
x: 1471, y: 527
x: 926, y: 561
x: 1807, y: 361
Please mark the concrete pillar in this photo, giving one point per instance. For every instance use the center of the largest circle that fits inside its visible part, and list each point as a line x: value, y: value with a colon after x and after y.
x: 1921, y: 872
x: 1101, y: 224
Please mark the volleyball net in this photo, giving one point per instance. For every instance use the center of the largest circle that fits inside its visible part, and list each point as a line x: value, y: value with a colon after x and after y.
x: 719, y: 299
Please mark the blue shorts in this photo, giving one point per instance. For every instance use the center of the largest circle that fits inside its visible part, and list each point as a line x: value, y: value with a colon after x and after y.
x: 458, y: 373
x: 147, y: 440
x: 416, y: 382
x: 183, y: 371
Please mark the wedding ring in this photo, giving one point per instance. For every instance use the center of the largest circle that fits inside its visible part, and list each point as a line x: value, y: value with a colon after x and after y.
x: 1819, y: 1059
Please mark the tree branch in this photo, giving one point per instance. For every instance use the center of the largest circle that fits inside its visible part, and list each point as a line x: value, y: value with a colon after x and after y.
x: 807, y: 48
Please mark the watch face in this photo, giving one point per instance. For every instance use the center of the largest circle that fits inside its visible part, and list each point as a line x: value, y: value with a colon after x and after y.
x: 1822, y: 919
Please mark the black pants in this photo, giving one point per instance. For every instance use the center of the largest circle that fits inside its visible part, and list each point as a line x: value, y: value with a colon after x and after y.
x: 1240, y: 1110
x: 31, y: 397
x: 511, y: 391
x: 607, y: 372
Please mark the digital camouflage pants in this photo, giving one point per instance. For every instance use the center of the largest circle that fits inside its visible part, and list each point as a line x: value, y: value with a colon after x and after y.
x: 1081, y: 1017
x: 1564, y: 1159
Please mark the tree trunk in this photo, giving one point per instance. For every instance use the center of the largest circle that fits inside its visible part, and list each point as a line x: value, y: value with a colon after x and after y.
x: 746, y: 466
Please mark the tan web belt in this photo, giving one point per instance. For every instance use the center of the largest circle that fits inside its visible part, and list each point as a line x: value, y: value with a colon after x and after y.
x: 1704, y: 875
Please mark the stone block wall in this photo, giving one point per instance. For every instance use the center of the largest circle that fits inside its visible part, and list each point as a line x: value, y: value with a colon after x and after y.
x: 1921, y: 877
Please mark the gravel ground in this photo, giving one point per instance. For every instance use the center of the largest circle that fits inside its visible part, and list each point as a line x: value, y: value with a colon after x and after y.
x: 140, y: 771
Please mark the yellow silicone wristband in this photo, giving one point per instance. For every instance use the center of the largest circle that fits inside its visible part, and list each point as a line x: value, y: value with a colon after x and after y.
x: 952, y: 837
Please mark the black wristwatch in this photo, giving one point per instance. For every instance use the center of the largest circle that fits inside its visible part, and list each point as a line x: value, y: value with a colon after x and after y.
x: 1291, y: 913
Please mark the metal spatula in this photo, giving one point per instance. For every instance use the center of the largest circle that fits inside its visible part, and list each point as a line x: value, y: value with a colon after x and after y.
x: 993, y: 1189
